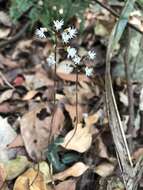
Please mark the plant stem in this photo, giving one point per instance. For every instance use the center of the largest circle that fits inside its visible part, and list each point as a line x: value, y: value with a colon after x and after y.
x: 76, y: 97
x: 55, y: 68
x: 76, y: 122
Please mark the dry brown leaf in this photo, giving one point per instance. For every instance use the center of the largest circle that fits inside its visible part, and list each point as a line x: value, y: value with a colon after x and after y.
x: 76, y: 170
x: 72, y: 77
x: 5, y: 19
x: 7, y: 62
x: 6, y: 95
x: 104, y: 169
x: 71, y: 109
x: 66, y: 185
x: 2, y: 174
x: 79, y: 140
x: 92, y: 119
x: 17, y: 142
x: 30, y: 95
x: 4, y: 32
x: 136, y: 155
x: 35, y: 132
x: 30, y: 180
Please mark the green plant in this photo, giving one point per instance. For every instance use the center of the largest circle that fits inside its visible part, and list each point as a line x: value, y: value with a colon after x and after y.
x: 45, y: 11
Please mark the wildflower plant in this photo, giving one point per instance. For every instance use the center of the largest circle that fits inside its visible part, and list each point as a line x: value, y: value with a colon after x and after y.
x: 65, y: 36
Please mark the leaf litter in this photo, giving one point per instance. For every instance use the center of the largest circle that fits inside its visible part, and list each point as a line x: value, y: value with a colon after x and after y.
x: 40, y: 144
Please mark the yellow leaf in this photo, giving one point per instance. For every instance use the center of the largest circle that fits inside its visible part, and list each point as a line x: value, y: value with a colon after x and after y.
x: 30, y: 180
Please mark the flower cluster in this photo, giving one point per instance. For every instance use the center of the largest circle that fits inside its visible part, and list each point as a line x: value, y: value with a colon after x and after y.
x: 66, y: 35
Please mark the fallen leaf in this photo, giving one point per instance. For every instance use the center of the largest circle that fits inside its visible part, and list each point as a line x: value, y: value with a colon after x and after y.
x: 71, y: 109
x: 5, y: 19
x: 6, y: 95
x: 79, y: 140
x: 75, y: 171
x: 66, y: 185
x: 30, y: 95
x: 2, y: 175
x: 36, y: 135
x: 7, y: 134
x: 8, y: 62
x: 137, y: 154
x: 104, y: 169
x: 14, y: 168
x: 17, y: 142
x: 45, y: 170
x: 30, y: 180
x: 4, y: 32
x: 65, y: 67
x: 72, y: 77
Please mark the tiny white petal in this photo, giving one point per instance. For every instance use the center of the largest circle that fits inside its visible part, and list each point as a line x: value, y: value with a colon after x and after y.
x: 65, y: 37
x: 76, y: 60
x: 51, y: 60
x: 91, y: 55
x: 58, y: 24
x: 72, y: 32
x: 88, y: 71
x: 71, y: 52
x: 40, y: 33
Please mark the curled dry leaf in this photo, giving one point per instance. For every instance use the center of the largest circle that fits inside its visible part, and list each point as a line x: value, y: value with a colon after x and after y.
x: 66, y: 185
x: 104, y: 169
x: 30, y: 180
x: 79, y: 140
x: 36, y: 132
x: 76, y: 170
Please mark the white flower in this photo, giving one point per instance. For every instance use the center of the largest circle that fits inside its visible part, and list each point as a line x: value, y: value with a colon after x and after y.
x: 71, y: 52
x: 72, y: 32
x: 65, y: 37
x: 51, y: 60
x: 40, y: 32
x: 58, y: 24
x: 91, y: 55
x: 88, y: 71
x: 76, y: 59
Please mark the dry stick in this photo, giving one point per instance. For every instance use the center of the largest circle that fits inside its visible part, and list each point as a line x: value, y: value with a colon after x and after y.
x: 130, y: 92
x: 117, y: 16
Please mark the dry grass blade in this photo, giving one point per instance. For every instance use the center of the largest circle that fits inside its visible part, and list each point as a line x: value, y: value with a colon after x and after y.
x: 131, y: 175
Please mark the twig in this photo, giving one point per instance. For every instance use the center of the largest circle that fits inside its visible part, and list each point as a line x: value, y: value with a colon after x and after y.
x: 116, y: 15
x: 130, y: 91
x: 16, y: 37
